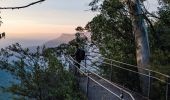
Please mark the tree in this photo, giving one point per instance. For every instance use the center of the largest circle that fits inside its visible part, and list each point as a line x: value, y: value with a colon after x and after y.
x: 40, y: 76
x: 79, y: 29
x: 117, y: 25
x: 141, y: 40
x: 112, y: 31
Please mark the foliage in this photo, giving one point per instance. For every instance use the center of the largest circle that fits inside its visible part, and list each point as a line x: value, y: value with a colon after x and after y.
x: 80, y: 39
x: 111, y: 27
x: 160, y: 47
x: 79, y: 29
x: 40, y: 75
x: 112, y: 31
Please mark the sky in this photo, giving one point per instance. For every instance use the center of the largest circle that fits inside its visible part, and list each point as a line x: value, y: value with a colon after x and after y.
x: 51, y: 16
x: 45, y: 21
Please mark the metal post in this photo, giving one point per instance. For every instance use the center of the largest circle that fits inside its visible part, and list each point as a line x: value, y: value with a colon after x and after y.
x: 167, y: 86
x: 111, y: 72
x: 149, y: 84
x: 85, y: 64
x: 121, y: 95
x: 87, y: 86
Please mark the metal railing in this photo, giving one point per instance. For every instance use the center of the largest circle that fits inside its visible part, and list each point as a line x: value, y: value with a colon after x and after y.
x: 146, y: 69
x: 148, y: 73
x: 149, y: 70
x: 121, y: 94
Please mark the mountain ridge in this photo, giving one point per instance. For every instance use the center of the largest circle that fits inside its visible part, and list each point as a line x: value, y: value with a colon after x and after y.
x: 63, y: 38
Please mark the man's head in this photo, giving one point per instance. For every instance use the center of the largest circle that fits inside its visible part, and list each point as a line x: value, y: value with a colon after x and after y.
x: 77, y: 45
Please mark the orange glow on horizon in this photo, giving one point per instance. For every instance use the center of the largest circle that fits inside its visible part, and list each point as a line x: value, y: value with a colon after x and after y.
x: 25, y: 29
x: 47, y: 20
x: 32, y: 27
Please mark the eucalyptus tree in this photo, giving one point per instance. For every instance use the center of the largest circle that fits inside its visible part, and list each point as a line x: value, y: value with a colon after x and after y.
x: 121, y: 31
x: 112, y: 31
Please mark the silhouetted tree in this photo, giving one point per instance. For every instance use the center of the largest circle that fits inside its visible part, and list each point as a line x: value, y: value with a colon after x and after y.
x: 79, y: 29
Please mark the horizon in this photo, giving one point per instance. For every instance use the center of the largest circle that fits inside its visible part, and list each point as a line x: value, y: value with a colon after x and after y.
x: 46, y: 21
x: 30, y: 42
x: 59, y: 16
x: 42, y: 22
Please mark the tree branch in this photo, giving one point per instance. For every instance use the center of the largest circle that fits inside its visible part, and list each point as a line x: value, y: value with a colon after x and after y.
x: 20, y: 7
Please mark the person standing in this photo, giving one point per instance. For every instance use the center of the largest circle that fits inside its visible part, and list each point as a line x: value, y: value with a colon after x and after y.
x: 79, y: 56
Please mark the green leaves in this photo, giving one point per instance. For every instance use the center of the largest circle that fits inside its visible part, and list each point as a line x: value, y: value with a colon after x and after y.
x: 111, y: 31
x: 40, y: 76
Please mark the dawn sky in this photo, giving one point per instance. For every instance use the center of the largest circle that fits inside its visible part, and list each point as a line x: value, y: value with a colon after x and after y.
x: 51, y: 16
x: 45, y: 21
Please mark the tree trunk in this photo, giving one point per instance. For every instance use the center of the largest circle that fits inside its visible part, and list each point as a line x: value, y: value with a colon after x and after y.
x: 141, y: 40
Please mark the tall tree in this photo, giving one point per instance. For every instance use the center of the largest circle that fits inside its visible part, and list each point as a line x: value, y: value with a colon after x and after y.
x: 122, y: 21
x: 112, y: 31
x: 141, y: 40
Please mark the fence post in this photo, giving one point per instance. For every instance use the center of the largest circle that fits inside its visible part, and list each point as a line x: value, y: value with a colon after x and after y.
x: 149, y: 84
x: 167, y: 88
x: 87, y: 85
x: 85, y: 63
x: 121, y: 95
x: 111, y: 71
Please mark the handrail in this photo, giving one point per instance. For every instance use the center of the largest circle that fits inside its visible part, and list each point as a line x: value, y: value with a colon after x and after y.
x: 138, y: 67
x: 86, y: 74
x: 135, y: 72
x: 135, y: 66
x: 105, y: 80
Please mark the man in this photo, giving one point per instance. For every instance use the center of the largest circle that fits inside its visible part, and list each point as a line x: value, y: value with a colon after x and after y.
x: 79, y: 55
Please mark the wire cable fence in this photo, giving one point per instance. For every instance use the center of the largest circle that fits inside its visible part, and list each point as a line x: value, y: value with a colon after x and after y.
x: 97, y: 87
x: 157, y: 83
